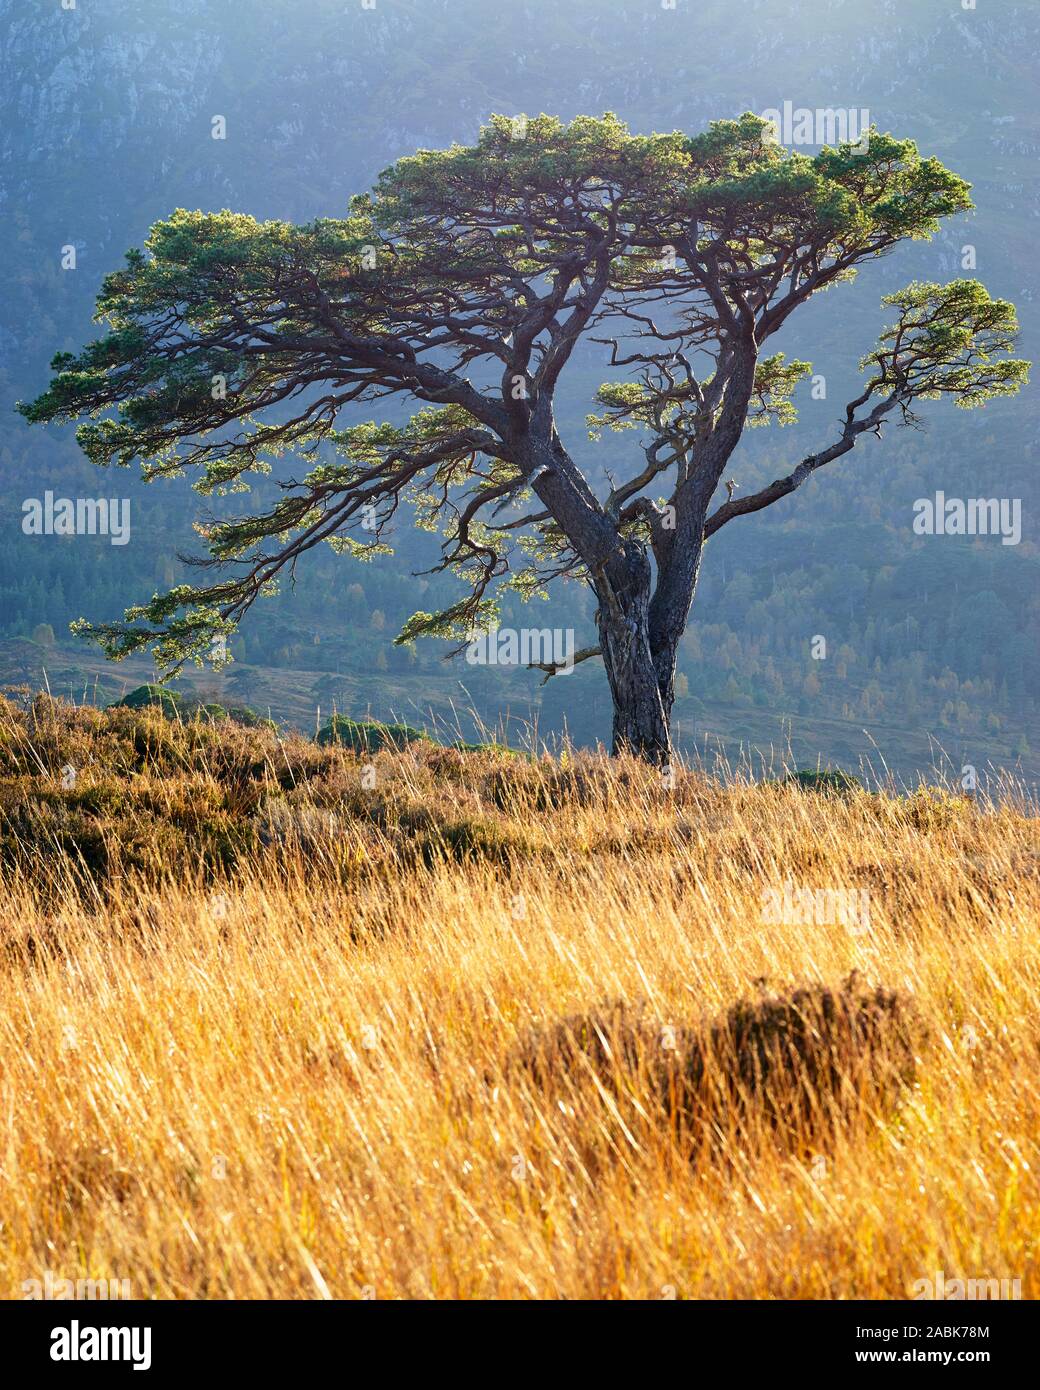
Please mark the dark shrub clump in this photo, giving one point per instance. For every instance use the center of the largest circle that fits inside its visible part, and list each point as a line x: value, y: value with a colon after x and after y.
x: 798, y: 1060
x: 367, y: 736
x: 145, y: 695
x: 831, y: 780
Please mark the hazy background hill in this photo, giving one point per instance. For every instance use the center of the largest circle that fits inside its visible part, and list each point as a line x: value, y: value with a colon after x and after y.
x: 105, y: 126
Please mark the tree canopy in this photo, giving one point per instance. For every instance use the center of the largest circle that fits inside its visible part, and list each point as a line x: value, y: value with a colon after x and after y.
x: 463, y: 282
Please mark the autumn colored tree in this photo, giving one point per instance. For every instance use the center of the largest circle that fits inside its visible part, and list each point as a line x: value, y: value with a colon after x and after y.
x: 463, y: 282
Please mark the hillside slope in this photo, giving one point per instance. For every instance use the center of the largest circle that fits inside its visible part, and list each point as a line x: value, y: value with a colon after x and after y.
x: 280, y: 1022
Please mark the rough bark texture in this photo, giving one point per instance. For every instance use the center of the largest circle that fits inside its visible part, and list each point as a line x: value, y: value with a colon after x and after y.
x: 640, y: 713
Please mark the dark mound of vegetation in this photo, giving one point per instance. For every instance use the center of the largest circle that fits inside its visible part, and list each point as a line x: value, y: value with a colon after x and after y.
x: 175, y: 706
x: 462, y: 747
x: 242, y: 714
x: 367, y: 736
x: 211, y: 713
x: 146, y: 695
x: 831, y: 780
x: 796, y: 1061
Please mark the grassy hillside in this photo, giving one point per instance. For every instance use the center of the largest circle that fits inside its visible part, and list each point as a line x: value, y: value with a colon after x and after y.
x: 455, y: 700
x: 279, y: 1021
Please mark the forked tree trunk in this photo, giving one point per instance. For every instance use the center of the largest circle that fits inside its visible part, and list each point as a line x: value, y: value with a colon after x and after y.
x: 640, y: 712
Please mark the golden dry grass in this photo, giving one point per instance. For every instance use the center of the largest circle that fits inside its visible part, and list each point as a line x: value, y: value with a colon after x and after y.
x: 306, y: 1073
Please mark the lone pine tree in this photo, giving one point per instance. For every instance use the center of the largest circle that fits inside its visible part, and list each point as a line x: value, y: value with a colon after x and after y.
x: 463, y: 282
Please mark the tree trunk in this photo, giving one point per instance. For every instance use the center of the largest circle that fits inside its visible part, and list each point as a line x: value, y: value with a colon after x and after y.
x: 640, y: 713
